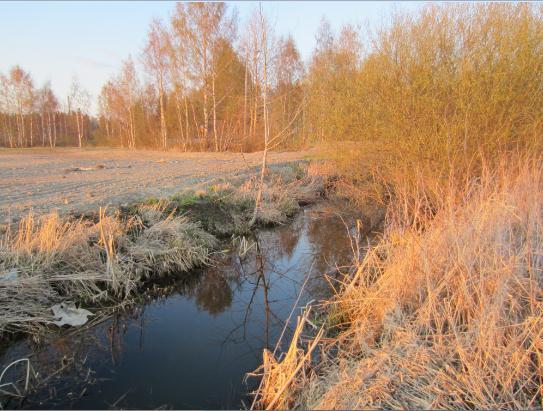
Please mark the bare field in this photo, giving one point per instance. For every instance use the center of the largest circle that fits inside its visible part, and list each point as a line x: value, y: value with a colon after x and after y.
x: 78, y: 180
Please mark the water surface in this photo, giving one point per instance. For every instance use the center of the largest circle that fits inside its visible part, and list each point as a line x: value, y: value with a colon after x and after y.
x: 192, y: 346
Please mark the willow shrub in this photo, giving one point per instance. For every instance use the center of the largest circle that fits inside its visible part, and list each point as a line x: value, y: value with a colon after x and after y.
x: 441, y: 96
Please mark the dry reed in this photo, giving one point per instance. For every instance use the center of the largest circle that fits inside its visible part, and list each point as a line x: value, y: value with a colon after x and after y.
x: 48, y: 260
x: 449, y: 316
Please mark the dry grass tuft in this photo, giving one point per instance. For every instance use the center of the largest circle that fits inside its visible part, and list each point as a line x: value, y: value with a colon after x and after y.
x: 174, y: 244
x: 283, y: 379
x: 283, y: 193
x: 48, y: 260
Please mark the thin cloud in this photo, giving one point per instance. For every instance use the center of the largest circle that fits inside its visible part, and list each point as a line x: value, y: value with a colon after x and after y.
x: 93, y: 63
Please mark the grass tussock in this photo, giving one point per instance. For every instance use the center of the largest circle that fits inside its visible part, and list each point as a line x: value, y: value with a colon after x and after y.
x: 445, y: 317
x: 48, y: 259
x: 226, y: 207
x: 169, y: 245
x: 282, y: 196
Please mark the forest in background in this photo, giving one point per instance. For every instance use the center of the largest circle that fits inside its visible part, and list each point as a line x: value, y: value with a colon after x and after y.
x: 197, y: 85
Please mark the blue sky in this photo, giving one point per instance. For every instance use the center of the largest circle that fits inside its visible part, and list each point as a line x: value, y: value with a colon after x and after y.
x: 56, y: 40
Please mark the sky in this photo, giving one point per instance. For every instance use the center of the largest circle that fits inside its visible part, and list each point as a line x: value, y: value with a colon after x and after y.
x: 56, y: 40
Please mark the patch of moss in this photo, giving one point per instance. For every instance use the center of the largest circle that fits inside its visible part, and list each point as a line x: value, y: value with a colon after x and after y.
x: 185, y: 199
x: 151, y: 201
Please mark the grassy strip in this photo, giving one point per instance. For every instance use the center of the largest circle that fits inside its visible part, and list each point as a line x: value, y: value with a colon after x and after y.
x: 106, y: 259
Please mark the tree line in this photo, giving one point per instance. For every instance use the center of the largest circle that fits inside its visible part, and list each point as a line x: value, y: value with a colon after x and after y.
x: 196, y: 85
x: 34, y: 117
x: 202, y: 82
x: 205, y: 85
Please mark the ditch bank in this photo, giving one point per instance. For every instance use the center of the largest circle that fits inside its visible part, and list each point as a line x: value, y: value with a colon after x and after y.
x: 189, y: 340
x: 102, y: 260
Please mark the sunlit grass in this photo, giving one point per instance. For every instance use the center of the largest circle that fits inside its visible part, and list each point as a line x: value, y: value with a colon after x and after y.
x: 446, y: 311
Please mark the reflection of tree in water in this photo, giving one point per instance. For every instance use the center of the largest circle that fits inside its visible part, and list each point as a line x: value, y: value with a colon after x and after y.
x: 289, y: 236
x: 252, y: 272
x: 213, y: 293
x: 329, y: 237
x: 322, y: 228
x: 281, y: 241
x: 210, y: 287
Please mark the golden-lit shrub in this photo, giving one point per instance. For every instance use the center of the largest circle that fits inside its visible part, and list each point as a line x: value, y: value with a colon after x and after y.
x: 439, y: 96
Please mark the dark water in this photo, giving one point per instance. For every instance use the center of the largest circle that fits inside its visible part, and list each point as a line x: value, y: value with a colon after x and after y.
x: 192, y: 346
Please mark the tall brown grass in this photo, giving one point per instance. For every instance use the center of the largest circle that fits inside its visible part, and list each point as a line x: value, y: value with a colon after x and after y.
x: 446, y: 311
x: 448, y: 317
x: 445, y: 316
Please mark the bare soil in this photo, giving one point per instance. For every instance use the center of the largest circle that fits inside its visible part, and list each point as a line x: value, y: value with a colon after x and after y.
x: 71, y: 180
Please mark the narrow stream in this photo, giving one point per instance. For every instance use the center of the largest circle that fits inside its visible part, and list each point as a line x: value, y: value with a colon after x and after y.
x: 191, y: 347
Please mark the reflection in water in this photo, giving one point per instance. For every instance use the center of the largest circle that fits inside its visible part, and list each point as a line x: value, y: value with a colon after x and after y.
x: 288, y: 238
x: 192, y: 342
x: 213, y: 294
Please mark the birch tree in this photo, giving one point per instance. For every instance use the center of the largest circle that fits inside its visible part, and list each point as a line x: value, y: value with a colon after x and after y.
x: 264, y: 36
x: 265, y: 48
x: 204, y: 25
x: 21, y: 87
x: 178, y: 71
x: 128, y: 83
x: 48, y: 106
x: 156, y: 62
x: 79, y: 102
